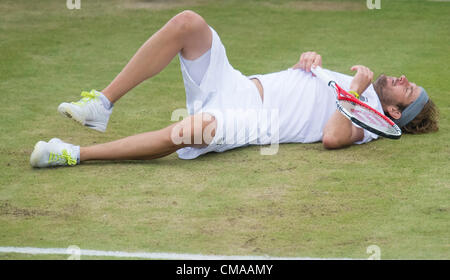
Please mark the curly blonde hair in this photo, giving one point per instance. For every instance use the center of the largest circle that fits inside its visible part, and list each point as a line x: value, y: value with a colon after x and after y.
x: 426, y: 121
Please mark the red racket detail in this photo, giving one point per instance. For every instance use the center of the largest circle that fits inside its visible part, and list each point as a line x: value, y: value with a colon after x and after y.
x: 359, y: 112
x: 344, y: 95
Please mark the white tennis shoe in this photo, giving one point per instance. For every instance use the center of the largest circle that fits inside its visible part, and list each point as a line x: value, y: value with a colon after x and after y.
x: 88, y: 111
x: 54, y: 153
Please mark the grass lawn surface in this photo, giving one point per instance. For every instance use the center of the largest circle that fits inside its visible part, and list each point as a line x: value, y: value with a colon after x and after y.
x: 304, y: 201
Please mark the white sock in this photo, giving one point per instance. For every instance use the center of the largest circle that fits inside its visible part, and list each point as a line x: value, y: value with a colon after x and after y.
x: 76, y: 149
x: 106, y: 103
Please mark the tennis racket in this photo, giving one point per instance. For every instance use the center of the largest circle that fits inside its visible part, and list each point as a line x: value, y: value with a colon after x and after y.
x: 359, y: 112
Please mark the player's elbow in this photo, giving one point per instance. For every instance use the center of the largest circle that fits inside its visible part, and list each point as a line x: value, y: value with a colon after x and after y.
x: 331, y: 142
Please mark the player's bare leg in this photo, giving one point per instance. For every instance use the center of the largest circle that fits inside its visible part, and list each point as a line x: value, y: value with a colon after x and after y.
x: 187, y: 33
x: 193, y: 131
x: 197, y: 130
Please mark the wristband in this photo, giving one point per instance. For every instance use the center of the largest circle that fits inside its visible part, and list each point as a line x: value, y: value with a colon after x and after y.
x: 354, y: 93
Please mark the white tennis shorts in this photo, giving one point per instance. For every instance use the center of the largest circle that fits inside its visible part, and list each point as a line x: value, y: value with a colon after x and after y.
x: 230, y: 97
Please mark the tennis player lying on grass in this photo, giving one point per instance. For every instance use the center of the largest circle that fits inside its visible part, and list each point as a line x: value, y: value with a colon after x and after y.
x: 227, y: 109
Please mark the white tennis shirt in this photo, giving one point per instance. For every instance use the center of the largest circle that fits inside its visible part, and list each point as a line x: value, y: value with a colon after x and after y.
x: 305, y: 103
x: 297, y: 104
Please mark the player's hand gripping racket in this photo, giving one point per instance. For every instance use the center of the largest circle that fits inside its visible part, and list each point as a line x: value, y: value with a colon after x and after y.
x: 359, y: 112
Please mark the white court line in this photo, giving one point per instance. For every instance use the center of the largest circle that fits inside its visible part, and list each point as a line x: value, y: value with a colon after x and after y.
x: 143, y: 255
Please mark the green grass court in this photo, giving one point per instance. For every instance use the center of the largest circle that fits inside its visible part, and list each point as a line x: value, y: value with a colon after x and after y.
x: 303, y: 202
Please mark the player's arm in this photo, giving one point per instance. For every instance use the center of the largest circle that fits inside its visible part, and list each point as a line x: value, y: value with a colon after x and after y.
x: 339, y: 132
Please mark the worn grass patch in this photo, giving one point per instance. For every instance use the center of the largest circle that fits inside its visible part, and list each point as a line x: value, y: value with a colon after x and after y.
x: 318, y: 5
x: 160, y: 4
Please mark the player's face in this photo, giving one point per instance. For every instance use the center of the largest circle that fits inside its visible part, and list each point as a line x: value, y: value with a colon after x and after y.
x: 396, y: 90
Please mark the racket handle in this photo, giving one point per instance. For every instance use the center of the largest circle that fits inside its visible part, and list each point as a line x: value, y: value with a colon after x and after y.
x: 320, y: 73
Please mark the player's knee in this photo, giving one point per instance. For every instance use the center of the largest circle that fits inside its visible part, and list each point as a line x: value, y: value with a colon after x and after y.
x: 202, y: 129
x: 187, y: 21
x: 195, y: 130
x: 209, y: 126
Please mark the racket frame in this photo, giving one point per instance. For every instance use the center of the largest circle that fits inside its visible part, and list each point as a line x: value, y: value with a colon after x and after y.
x: 343, y: 95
